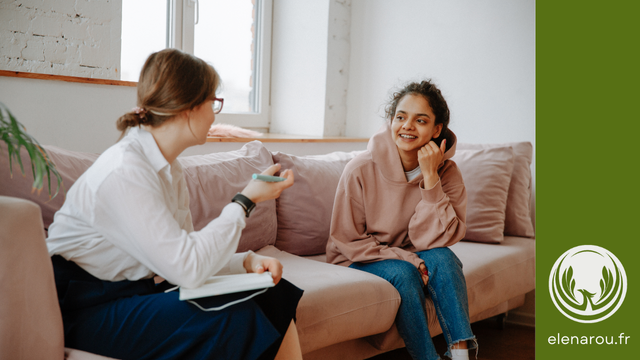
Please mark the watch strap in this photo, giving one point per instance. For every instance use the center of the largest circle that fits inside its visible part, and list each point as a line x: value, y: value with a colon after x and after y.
x: 245, y: 202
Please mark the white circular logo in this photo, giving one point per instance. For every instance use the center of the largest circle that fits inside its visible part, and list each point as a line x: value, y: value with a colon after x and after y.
x: 587, y: 284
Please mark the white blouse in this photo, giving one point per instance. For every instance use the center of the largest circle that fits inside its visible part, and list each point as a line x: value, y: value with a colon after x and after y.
x: 128, y: 217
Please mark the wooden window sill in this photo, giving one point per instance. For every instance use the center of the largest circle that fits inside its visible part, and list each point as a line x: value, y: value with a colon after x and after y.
x: 289, y: 138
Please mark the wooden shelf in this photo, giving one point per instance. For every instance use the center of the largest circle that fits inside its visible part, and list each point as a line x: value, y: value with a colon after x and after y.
x: 28, y: 75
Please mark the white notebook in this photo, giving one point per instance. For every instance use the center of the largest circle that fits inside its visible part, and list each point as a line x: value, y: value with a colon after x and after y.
x: 227, y: 284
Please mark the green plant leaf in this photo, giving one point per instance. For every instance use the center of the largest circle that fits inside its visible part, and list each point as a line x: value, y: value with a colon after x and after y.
x: 15, y: 136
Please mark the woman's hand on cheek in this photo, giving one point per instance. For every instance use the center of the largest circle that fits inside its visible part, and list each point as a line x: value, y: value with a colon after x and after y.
x: 255, y: 263
x: 429, y: 157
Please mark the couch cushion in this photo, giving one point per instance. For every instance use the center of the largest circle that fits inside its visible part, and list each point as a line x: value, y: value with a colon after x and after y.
x: 304, y: 210
x: 494, y: 273
x: 338, y: 303
x: 70, y: 165
x: 214, y: 179
x: 498, y: 272
x: 486, y: 174
x: 518, y: 214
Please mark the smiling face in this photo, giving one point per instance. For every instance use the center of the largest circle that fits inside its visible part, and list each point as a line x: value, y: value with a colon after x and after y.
x: 413, y: 126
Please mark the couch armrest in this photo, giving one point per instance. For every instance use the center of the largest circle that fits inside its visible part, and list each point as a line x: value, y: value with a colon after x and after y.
x: 30, y: 319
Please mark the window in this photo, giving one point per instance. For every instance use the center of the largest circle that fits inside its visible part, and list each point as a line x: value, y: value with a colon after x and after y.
x: 144, y: 31
x: 233, y: 36
x: 226, y: 27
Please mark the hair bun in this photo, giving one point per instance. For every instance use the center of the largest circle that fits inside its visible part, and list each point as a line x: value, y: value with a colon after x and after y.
x: 128, y: 120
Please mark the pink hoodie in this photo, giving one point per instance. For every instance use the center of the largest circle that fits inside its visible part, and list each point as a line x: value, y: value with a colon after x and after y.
x: 378, y: 215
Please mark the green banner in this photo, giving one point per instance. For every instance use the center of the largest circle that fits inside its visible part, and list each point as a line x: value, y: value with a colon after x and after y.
x: 587, y: 182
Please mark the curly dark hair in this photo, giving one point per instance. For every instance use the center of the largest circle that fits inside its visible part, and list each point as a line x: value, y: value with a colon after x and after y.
x: 437, y: 102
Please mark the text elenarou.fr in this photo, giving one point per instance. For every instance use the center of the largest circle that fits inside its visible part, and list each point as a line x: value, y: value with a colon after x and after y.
x: 621, y: 339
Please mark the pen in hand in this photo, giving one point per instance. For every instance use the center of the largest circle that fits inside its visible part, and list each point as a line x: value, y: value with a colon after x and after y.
x: 267, y: 178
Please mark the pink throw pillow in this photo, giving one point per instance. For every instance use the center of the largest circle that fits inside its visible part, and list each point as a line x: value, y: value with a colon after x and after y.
x: 486, y: 174
x: 518, y: 214
x: 70, y: 165
x: 214, y: 179
x: 304, y: 210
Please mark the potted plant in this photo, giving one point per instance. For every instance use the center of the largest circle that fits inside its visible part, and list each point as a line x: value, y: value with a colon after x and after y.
x: 15, y: 136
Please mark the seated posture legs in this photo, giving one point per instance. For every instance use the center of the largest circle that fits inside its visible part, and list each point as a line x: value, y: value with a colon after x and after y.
x: 447, y: 289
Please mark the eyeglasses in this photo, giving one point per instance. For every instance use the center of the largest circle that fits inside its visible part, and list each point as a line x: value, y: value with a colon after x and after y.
x: 217, y: 105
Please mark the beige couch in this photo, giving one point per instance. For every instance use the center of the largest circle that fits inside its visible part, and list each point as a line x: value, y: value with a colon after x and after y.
x: 344, y: 313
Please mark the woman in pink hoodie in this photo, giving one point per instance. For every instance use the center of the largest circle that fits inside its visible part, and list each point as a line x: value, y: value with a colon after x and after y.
x: 398, y: 208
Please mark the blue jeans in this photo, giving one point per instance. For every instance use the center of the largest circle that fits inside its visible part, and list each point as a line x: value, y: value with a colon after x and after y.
x: 447, y: 289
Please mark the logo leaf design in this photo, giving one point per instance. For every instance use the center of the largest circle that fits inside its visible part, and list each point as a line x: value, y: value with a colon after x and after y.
x: 610, y: 277
x: 606, y: 283
x: 562, y: 286
x: 568, y: 283
x: 608, y: 286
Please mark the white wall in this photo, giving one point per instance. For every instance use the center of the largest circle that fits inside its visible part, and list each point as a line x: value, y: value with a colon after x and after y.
x: 74, y: 116
x: 310, y: 67
x: 61, y: 37
x: 82, y: 117
x: 480, y: 53
x: 299, y: 66
x: 338, y: 63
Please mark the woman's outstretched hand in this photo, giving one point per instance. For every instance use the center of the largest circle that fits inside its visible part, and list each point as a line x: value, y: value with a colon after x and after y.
x: 255, y: 263
x: 259, y: 191
x: 429, y: 157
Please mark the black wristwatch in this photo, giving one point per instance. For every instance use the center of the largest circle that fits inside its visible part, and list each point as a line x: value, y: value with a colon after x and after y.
x: 245, y: 202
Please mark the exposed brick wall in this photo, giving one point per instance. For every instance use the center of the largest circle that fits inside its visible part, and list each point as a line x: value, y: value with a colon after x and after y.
x: 61, y: 37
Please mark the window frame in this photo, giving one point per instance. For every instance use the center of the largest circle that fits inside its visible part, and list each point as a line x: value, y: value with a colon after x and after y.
x: 181, y: 19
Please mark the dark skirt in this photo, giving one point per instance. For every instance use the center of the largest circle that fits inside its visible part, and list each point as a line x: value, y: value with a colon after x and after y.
x: 138, y: 320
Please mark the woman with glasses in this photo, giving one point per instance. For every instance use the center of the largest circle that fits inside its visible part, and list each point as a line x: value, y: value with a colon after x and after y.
x: 127, y: 219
